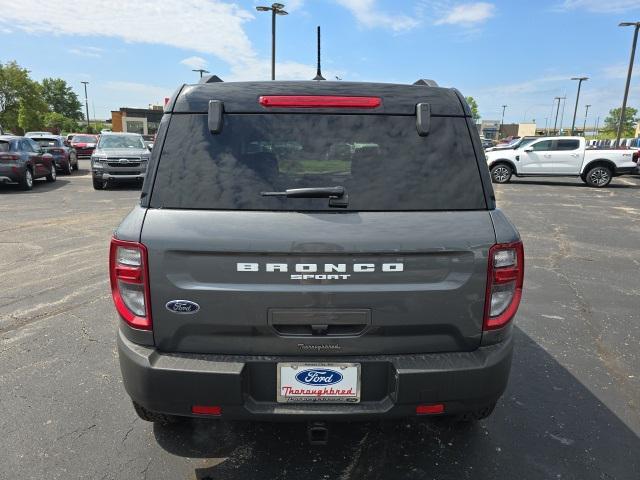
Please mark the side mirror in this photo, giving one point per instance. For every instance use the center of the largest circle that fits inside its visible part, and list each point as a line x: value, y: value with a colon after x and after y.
x: 528, y: 149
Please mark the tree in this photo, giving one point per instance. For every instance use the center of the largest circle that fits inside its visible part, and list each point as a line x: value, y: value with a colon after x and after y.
x: 474, y: 108
x: 59, y: 123
x: 31, y: 108
x: 628, y: 125
x: 61, y: 98
x: 15, y: 85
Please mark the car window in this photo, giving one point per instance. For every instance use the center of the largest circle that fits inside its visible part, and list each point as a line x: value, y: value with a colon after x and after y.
x: 568, y: 145
x: 48, y: 142
x: 543, y: 146
x: 380, y: 160
x: 5, y: 146
x: 26, y: 146
x: 121, y: 141
x: 34, y: 146
x: 83, y: 139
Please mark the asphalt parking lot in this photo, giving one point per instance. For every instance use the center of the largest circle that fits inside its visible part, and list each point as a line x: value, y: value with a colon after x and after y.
x: 572, y: 409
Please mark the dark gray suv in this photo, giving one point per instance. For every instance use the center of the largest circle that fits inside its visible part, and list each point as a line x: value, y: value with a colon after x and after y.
x: 316, y: 251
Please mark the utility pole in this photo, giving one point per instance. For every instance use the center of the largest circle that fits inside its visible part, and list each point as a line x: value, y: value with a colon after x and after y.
x: 555, y: 123
x: 86, y: 103
x: 629, y: 73
x: 575, y: 110
x: 504, y: 107
x: 564, y: 103
x: 201, y: 70
x: 275, y: 9
x: 584, y: 126
x: 598, y: 126
x: 318, y: 71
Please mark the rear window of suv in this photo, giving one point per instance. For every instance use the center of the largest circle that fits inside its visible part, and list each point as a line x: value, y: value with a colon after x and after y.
x: 380, y: 160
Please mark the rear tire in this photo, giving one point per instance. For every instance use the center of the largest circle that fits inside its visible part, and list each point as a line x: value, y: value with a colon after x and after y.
x: 501, y: 173
x: 69, y: 169
x: 98, y: 184
x: 52, y: 174
x: 26, y: 182
x: 598, y: 176
x: 149, y: 416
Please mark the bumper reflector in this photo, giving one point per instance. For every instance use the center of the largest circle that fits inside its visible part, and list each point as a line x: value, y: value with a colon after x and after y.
x: 433, y: 409
x: 207, y: 410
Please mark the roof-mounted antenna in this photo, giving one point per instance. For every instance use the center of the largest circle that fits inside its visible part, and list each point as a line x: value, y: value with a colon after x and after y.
x: 318, y: 73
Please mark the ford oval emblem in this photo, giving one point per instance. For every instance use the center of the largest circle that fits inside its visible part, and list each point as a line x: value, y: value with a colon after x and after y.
x: 319, y: 376
x: 182, y: 306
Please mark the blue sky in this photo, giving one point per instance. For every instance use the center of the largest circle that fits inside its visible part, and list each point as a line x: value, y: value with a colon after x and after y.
x: 520, y: 53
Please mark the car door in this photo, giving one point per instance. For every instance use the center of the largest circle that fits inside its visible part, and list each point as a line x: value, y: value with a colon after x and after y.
x: 35, y: 159
x: 44, y: 159
x: 536, y: 158
x: 567, y: 156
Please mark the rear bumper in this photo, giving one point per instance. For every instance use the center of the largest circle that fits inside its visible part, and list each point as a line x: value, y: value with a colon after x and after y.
x: 245, y: 386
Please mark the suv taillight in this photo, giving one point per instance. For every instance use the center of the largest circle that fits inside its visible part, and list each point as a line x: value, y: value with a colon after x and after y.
x: 130, y: 282
x: 505, y: 275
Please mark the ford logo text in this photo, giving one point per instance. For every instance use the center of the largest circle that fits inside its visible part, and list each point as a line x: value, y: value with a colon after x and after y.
x: 182, y: 306
x: 323, y: 376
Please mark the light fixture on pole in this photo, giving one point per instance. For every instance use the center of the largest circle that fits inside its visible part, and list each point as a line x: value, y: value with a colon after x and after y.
x: 629, y: 73
x: 86, y: 103
x: 584, y: 126
x: 201, y: 70
x: 275, y: 9
x: 575, y: 110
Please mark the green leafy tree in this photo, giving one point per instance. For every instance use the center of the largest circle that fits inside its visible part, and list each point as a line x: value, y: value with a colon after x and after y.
x: 31, y: 108
x: 57, y: 122
x: 61, y: 98
x: 610, y: 127
x: 474, y: 108
x: 15, y: 85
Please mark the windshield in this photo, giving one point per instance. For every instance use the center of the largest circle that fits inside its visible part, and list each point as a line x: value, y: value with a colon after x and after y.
x: 83, y: 139
x: 47, y: 142
x: 121, y: 141
x: 380, y: 161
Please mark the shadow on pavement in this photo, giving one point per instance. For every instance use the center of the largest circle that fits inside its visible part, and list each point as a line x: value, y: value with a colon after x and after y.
x: 577, y: 184
x: 548, y: 425
x: 40, y: 185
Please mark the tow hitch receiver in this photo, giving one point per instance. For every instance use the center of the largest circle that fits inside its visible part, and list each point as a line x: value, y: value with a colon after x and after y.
x: 317, y: 433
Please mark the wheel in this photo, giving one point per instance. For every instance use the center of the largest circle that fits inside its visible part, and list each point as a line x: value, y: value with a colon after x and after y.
x: 501, y: 173
x: 599, y: 176
x: 26, y: 183
x: 149, y: 416
x: 52, y: 174
x: 69, y: 168
x: 98, y: 184
x: 76, y: 165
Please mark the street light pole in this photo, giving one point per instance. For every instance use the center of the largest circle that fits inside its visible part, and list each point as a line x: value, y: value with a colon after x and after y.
x: 584, y: 126
x: 575, y: 110
x: 564, y: 104
x: 275, y: 9
x: 86, y: 103
x: 626, y: 88
x: 201, y: 70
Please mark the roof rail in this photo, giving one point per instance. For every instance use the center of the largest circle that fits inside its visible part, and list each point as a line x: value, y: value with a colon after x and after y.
x: 210, y: 79
x: 426, y: 82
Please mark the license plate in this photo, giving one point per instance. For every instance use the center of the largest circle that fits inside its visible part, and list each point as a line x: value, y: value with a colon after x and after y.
x: 318, y: 382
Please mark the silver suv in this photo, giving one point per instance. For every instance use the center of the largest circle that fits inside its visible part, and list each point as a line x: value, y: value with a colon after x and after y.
x: 119, y: 157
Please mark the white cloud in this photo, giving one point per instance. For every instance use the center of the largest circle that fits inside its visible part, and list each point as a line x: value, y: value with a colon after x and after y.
x: 194, y: 62
x: 467, y: 14
x: 138, y: 94
x: 284, y: 71
x: 208, y: 26
x: 600, y: 6
x: 368, y: 15
x: 619, y: 71
x: 93, y: 52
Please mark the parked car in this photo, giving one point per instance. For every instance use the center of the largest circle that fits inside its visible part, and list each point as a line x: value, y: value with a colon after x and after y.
x: 516, y: 143
x: 561, y: 157
x: 149, y: 141
x: 84, y: 144
x: 269, y: 283
x: 64, y: 155
x: 22, y: 160
x: 119, y: 157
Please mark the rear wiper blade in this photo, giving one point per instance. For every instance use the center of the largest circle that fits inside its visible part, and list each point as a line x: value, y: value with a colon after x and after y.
x: 337, y: 195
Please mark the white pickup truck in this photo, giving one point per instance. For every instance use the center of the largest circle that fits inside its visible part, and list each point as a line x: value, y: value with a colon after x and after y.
x: 561, y: 157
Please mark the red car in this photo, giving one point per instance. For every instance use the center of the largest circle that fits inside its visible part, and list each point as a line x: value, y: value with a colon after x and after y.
x: 84, y: 145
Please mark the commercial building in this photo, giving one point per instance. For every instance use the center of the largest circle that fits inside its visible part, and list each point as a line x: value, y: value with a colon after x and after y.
x: 137, y: 120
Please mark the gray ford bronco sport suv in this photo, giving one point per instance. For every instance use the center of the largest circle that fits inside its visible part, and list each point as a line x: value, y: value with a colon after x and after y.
x: 316, y: 251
